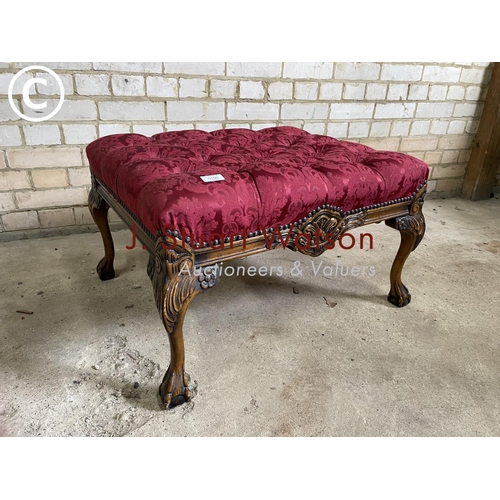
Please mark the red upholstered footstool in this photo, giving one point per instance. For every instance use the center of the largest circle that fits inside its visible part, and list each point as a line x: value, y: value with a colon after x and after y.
x: 196, y: 199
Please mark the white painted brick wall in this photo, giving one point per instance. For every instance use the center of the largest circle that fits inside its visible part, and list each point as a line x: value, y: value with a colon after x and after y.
x: 42, y: 134
x: 280, y: 91
x: 193, y: 87
x: 160, y: 86
x: 252, y: 90
x: 308, y: 70
x: 223, y: 89
x: 253, y: 70
x: 93, y: 84
x: 131, y: 111
x: 128, y: 85
x: 419, y: 108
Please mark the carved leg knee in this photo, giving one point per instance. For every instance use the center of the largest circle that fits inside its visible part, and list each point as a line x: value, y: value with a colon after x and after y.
x: 412, y: 229
x: 174, y: 291
x: 99, y: 210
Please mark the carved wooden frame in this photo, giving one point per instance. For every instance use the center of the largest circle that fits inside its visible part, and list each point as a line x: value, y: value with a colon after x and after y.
x: 171, y: 267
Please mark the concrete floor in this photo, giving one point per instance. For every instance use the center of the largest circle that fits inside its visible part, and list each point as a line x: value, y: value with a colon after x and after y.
x: 264, y: 361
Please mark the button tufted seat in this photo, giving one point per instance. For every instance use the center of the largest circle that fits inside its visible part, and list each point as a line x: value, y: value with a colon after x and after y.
x: 271, y: 177
x: 314, y: 187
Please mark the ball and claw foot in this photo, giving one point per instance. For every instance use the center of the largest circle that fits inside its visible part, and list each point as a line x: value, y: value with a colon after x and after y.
x: 104, y: 270
x: 174, y: 389
x: 401, y: 298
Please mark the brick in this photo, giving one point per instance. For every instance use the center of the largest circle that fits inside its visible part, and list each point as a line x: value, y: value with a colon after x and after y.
x: 395, y: 110
x: 472, y: 126
x: 128, y: 85
x: 49, y: 178
x: 223, y: 89
x: 445, y: 172
x: 304, y: 111
x: 253, y: 111
x: 358, y: 129
x: 418, y: 92
x: 351, y: 111
x: 431, y: 186
x: 279, y: 91
x: 77, y: 111
x: 448, y: 185
x: 434, y: 110
x: 57, y: 218
x: 12, y: 179
x: 3, y: 163
x: 132, y: 67
x: 79, y: 133
x: 439, y: 127
x: 397, y: 92
x: 380, y: 129
x: 308, y: 70
x: 45, y: 157
x: 6, y: 202
x: 193, y: 87
x: 418, y: 144
x: 79, y: 176
x: 16, y: 221
x: 159, y: 86
x: 148, y: 130
x: 438, y: 92
x: 92, y: 84
x: 52, y: 86
x: 195, y: 68
x: 315, y: 127
x: 464, y: 155
x: 330, y: 91
x: 376, y: 91
x: 468, y: 109
x: 37, y: 135
x: 132, y: 111
x: 209, y: 127
x: 450, y: 156
x: 401, y: 72
x: 251, y: 90
x: 179, y: 126
x: 433, y: 157
x: 455, y: 142
x: 337, y: 130
x: 382, y: 144
x: 420, y: 127
x: 473, y: 93
x: 113, y: 128
x: 357, y: 71
x: 237, y: 125
x: 10, y: 135
x: 457, y: 127
x: 56, y: 65
x: 441, y: 74
x: 51, y: 198
x: 6, y: 78
x: 192, y: 111
x: 400, y: 128
x: 354, y: 91
x: 260, y: 126
x: 480, y: 76
x: 7, y: 114
x: 455, y: 92
x: 254, y: 69
x: 82, y: 216
x: 306, y: 91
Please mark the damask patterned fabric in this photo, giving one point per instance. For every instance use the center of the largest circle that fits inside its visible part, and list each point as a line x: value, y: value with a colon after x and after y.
x: 271, y: 177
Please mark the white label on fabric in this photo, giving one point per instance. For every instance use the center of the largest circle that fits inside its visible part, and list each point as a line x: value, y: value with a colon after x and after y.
x: 212, y: 178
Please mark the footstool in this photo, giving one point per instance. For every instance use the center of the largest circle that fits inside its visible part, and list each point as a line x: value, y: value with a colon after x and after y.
x: 196, y: 199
